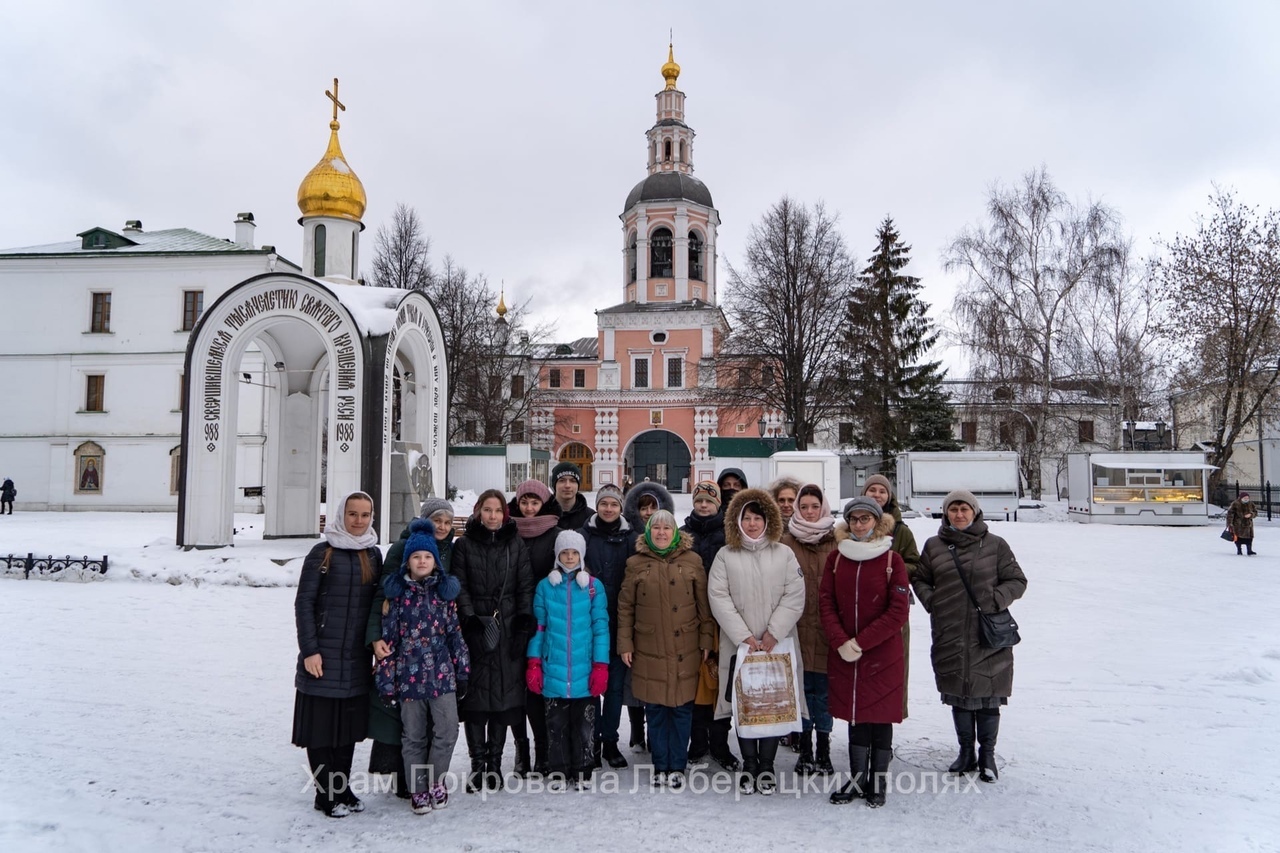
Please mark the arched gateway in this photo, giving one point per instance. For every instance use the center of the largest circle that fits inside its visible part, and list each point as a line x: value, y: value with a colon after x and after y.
x: 340, y: 359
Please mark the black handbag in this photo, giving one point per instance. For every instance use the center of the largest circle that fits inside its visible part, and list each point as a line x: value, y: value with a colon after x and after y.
x: 1227, y: 534
x: 995, y: 630
x: 491, y: 626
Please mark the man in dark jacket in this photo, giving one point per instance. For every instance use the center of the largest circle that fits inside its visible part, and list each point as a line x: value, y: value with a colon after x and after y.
x: 731, y: 481
x: 565, y: 480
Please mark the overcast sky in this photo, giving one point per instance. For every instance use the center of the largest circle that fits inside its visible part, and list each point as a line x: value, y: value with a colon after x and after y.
x: 517, y: 129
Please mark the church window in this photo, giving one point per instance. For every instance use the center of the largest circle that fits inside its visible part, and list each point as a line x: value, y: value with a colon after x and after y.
x: 766, y: 376
x: 640, y: 373
x: 579, y: 377
x: 517, y: 387
x: 1085, y: 431
x: 517, y: 432
x: 695, y: 256
x: 101, y: 319
x: 495, y: 386
x: 95, y: 388
x: 846, y: 432
x: 666, y: 150
x: 318, y: 256
x: 675, y: 372
x: 553, y: 377
x: 969, y: 432
x: 744, y: 376
x: 631, y: 258
x: 192, y: 308
x: 660, y: 253
x: 653, y: 153
x: 684, y: 151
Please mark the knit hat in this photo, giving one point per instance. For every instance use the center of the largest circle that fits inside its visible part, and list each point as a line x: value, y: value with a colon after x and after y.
x: 565, y: 540
x: 962, y: 496
x: 422, y: 537
x: 863, y: 503
x: 608, y: 490
x: 432, y: 505
x: 535, y: 488
x: 566, y: 469
x: 1244, y: 494
x: 878, y: 480
x: 707, y: 490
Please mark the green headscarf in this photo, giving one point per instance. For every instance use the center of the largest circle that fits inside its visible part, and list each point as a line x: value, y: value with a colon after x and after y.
x: 675, y: 539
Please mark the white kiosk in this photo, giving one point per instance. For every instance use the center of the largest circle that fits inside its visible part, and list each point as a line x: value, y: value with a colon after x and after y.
x: 1160, y: 487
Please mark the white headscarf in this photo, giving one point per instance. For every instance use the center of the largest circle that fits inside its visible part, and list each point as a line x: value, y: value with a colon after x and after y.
x: 335, y: 529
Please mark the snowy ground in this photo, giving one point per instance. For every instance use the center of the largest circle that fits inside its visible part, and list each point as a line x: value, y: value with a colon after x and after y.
x: 142, y: 714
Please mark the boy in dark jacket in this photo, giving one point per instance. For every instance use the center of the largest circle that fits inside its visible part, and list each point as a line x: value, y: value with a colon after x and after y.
x: 427, y: 667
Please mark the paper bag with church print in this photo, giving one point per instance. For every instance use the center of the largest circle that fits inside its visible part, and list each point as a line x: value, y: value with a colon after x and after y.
x: 766, y: 691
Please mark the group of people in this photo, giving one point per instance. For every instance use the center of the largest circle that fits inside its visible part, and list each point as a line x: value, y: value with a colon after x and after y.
x: 547, y: 618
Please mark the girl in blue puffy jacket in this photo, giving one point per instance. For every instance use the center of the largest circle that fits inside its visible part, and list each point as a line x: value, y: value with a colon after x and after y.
x: 569, y: 658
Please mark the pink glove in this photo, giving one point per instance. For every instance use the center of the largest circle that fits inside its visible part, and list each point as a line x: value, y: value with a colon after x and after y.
x: 533, y: 675
x: 599, y: 679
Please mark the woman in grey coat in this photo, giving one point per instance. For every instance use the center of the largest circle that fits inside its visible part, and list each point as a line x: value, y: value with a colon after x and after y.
x: 973, y: 679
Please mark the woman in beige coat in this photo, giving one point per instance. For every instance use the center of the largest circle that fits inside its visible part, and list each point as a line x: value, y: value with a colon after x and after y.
x: 757, y: 595
x: 664, y: 634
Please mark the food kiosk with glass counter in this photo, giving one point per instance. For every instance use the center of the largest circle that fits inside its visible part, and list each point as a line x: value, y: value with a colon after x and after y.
x: 1162, y: 487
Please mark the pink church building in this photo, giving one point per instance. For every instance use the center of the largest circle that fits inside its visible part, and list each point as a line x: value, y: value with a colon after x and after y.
x: 633, y: 402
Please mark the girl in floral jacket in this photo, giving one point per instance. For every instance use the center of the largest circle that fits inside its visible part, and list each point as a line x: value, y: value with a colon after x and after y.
x: 426, y: 670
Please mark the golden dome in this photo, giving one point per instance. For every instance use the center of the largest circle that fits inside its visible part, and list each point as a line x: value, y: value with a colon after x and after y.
x: 502, y: 305
x: 671, y: 71
x: 332, y: 188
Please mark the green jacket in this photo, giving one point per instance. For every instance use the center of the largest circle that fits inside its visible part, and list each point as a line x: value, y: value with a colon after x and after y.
x: 904, y: 541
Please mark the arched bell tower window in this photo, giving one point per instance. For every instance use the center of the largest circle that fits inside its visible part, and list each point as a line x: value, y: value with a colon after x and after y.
x: 695, y: 256
x: 660, y: 254
x: 631, y: 258
x: 653, y: 153
x: 684, y: 152
x: 318, y: 256
x: 666, y: 151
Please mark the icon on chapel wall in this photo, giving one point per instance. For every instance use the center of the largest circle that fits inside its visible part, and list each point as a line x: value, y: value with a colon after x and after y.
x: 655, y: 417
x: 88, y: 469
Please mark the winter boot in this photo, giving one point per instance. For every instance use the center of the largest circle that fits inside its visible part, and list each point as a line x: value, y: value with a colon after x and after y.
x: 880, y: 759
x: 822, y: 760
x: 805, y: 765
x: 718, y: 736
x: 523, y: 765
x: 967, y: 761
x: 859, y: 770
x: 497, y: 741
x: 476, y: 748
x: 636, y: 715
x: 767, y: 776
x: 988, y: 729
x: 612, y: 755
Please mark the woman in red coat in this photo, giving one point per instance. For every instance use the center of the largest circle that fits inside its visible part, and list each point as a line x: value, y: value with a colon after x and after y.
x: 864, y: 603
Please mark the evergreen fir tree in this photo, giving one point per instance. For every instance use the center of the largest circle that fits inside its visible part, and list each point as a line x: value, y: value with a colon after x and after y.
x: 893, y: 388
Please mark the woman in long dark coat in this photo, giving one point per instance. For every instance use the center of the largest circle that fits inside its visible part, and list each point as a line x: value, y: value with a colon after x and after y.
x: 331, y: 609
x: 492, y: 564
x: 973, y: 679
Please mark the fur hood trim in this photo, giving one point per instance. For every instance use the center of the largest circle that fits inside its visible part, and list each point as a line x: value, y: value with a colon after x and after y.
x: 686, y: 543
x: 631, y: 506
x: 772, y: 516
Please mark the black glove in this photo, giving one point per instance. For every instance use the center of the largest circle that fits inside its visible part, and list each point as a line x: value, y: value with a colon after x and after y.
x: 463, y: 684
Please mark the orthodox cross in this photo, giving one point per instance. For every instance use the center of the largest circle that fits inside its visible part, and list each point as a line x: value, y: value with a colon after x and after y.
x: 333, y: 96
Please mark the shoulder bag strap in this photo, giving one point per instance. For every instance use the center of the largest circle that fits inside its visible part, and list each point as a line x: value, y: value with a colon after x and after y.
x: 502, y: 592
x: 955, y: 556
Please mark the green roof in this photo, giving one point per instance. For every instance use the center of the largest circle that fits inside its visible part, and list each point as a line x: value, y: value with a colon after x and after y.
x: 747, y: 448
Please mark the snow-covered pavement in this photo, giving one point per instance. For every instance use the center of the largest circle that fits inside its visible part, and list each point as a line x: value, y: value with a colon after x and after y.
x: 143, y: 715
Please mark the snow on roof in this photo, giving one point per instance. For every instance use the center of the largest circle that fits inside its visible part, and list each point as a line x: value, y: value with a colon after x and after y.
x: 373, y: 308
x: 170, y: 240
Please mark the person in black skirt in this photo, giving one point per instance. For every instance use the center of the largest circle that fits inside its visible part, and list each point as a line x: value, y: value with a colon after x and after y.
x: 331, y: 708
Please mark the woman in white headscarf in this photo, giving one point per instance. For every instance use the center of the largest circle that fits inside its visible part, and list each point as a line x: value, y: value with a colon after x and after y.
x: 331, y: 708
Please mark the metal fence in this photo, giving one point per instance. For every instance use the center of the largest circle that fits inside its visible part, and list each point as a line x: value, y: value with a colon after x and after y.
x: 15, y: 564
x: 1261, y: 496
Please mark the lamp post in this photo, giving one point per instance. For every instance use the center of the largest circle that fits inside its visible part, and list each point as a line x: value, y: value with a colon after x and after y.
x: 777, y: 434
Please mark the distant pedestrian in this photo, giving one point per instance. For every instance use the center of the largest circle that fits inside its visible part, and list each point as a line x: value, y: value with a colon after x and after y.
x: 1240, y: 516
x: 7, y: 493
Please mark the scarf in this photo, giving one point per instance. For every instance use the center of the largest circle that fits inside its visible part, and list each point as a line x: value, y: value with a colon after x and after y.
x: 662, y: 552
x: 854, y: 549
x: 811, y: 532
x: 531, y: 528
x: 335, y: 530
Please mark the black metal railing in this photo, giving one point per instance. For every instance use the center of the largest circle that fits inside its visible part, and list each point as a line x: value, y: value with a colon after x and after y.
x: 14, y: 564
x: 1262, y: 495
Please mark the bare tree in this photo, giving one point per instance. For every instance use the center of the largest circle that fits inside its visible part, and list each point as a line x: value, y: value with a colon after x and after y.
x: 402, y: 252
x: 1023, y: 270
x: 786, y: 308
x: 1221, y: 289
